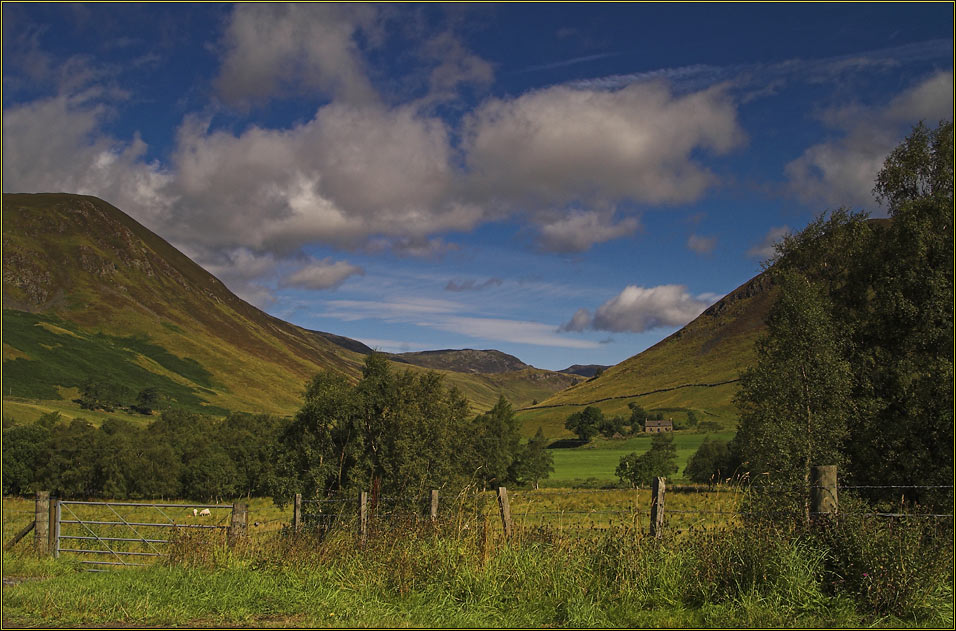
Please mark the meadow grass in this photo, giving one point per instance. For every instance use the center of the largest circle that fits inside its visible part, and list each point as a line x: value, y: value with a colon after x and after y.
x: 594, y: 463
x: 460, y: 571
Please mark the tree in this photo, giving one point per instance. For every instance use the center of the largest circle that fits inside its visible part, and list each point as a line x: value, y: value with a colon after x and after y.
x: 25, y: 449
x: 903, y: 344
x: 711, y: 463
x: 146, y: 400
x: 794, y: 403
x: 638, y: 418
x: 609, y: 426
x: 397, y: 434
x: 535, y: 462
x: 585, y: 423
x: 887, y: 290
x: 497, y: 443
x: 659, y: 461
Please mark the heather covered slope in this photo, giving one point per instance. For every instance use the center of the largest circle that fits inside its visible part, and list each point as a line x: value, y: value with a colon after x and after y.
x: 89, y: 293
x: 82, y: 276
x: 694, y: 369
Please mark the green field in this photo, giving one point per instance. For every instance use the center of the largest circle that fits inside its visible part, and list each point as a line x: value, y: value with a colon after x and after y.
x: 460, y: 572
x: 596, y: 462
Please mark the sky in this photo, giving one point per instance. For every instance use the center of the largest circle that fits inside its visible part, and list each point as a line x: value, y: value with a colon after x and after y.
x: 567, y: 183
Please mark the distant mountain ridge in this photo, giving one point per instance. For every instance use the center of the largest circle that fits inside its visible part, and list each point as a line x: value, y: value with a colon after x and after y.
x: 585, y: 370
x: 88, y: 292
x: 466, y: 360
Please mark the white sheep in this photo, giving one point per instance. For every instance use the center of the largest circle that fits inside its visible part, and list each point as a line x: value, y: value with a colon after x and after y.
x: 201, y: 513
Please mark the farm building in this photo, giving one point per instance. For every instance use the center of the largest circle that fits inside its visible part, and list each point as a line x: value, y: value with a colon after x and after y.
x: 658, y: 426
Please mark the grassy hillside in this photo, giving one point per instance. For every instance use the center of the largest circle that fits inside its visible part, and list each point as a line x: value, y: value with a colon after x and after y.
x: 89, y: 293
x: 696, y: 368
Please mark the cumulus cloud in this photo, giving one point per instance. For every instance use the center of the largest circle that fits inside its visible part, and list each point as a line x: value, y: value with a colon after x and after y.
x: 557, y: 145
x: 764, y: 250
x: 701, y: 244
x: 472, y: 285
x: 273, y: 48
x: 55, y: 144
x: 579, y: 230
x: 638, y: 309
x: 342, y: 178
x: 322, y: 274
x: 841, y: 172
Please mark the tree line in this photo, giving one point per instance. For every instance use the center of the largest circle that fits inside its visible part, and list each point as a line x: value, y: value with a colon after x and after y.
x: 400, y: 432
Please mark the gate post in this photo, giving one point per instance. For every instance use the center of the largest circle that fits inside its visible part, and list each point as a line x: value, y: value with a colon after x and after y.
x: 237, y: 526
x: 657, y: 508
x: 433, y: 511
x: 41, y: 523
x: 823, y: 490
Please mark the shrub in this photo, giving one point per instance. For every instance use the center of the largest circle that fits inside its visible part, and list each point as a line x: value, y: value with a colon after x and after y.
x: 891, y: 566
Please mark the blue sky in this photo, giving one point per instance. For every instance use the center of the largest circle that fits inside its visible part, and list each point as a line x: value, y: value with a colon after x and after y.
x: 566, y: 183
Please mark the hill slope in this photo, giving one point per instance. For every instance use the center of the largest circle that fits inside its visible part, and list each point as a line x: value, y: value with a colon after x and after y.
x: 696, y: 368
x: 89, y: 293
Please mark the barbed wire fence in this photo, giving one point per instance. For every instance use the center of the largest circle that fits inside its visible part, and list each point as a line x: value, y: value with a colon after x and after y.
x: 508, y: 514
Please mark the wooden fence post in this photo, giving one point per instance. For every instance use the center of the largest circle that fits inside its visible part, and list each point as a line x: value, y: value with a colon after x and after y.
x: 433, y: 510
x: 657, y: 508
x: 237, y: 526
x: 823, y: 490
x: 297, y: 513
x: 41, y: 523
x: 363, y: 517
x: 505, y: 508
x: 54, y: 530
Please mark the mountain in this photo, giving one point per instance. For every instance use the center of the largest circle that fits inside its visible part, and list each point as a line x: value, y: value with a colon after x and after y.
x: 464, y: 360
x: 586, y: 370
x: 694, y: 369
x: 90, y: 294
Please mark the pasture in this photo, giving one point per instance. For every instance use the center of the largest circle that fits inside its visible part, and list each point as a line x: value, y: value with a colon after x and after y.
x: 594, y: 463
x: 578, y: 558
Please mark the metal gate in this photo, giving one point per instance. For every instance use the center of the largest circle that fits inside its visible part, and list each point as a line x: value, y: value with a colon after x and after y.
x: 129, y: 534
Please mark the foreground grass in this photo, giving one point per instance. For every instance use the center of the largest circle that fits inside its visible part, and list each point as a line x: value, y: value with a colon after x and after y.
x: 447, y: 575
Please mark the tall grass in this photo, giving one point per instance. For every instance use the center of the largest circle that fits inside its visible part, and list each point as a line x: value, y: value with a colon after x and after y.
x: 460, y: 571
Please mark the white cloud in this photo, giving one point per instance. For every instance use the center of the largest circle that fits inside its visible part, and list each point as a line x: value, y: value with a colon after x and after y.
x: 272, y: 49
x: 701, y: 244
x: 842, y: 171
x: 54, y: 145
x: 559, y: 145
x: 343, y: 178
x: 579, y: 230
x: 578, y: 322
x: 323, y: 274
x: 764, y: 250
x: 638, y: 309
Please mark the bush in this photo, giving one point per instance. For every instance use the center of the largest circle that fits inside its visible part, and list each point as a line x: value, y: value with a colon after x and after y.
x: 891, y: 566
